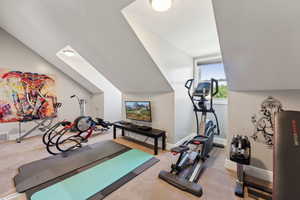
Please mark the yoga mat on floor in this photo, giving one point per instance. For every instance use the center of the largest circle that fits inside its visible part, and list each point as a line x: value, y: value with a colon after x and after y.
x: 42, y: 171
x: 105, y: 177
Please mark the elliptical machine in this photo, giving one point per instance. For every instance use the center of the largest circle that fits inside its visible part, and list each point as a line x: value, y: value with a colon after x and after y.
x: 185, y: 173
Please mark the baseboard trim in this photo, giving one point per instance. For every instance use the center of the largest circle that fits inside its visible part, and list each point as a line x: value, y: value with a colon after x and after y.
x: 217, y: 140
x: 252, y: 171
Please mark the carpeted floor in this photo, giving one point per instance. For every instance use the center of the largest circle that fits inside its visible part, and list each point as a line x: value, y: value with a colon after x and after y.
x: 218, y: 183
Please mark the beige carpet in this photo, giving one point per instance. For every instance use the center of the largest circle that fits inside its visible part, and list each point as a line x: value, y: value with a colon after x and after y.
x: 218, y: 183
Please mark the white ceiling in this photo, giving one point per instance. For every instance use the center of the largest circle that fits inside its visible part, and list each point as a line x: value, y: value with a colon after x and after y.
x: 96, y: 29
x: 189, y: 25
x: 260, y: 43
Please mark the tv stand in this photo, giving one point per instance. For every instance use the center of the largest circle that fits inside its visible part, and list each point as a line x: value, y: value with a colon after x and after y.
x: 124, y: 122
x: 142, y: 130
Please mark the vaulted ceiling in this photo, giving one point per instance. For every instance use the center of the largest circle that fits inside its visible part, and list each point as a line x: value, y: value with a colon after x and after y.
x: 189, y: 25
x: 259, y: 39
x: 260, y: 43
x: 96, y: 29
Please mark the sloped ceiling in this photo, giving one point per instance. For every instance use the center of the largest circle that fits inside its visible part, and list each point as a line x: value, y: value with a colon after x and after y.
x: 260, y: 43
x: 189, y: 25
x: 174, y: 63
x: 95, y: 29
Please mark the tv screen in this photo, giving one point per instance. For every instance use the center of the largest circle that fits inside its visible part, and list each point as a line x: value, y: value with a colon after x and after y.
x: 138, y: 110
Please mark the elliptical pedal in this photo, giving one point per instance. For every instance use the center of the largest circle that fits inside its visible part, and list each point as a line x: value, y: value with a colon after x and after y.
x: 180, y: 149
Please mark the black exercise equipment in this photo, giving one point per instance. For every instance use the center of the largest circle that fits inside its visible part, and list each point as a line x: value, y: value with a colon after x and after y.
x: 185, y: 173
x: 240, y: 153
x: 104, y: 124
x: 286, y: 151
x: 286, y: 164
x: 65, y: 136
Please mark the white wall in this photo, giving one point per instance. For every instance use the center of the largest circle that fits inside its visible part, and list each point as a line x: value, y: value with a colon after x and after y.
x: 177, y: 67
x: 16, y: 56
x: 260, y: 43
x: 108, y: 105
x: 98, y: 104
x: 112, y: 104
x: 162, y: 107
x: 184, y: 117
x: 222, y: 114
x: 242, y: 105
x: 111, y: 96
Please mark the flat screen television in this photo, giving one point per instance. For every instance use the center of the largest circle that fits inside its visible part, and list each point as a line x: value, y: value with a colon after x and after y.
x: 138, y: 110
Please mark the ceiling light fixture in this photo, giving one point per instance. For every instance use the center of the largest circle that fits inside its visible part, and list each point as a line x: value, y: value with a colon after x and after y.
x: 68, y: 52
x: 161, y: 5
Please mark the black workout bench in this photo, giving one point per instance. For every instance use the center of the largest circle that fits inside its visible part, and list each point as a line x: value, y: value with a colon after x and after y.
x: 152, y: 133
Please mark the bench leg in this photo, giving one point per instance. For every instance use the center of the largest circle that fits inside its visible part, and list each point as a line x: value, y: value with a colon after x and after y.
x: 115, y: 132
x: 164, y: 142
x: 155, y: 146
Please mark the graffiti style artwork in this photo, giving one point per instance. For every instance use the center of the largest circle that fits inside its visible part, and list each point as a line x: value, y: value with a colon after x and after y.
x: 26, y: 96
x: 264, y: 124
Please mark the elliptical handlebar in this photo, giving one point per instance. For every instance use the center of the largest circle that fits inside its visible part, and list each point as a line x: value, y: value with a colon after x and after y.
x: 188, y: 84
x: 216, y: 83
x: 214, y: 90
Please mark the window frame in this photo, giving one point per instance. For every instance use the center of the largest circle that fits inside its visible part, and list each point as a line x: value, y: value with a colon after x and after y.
x: 197, y: 70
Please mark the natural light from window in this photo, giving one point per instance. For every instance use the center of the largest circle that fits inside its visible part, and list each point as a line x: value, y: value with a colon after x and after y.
x: 216, y: 71
x: 76, y: 62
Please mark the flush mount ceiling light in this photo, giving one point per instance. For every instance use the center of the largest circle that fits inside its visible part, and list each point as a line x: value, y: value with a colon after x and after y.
x: 161, y: 5
x: 68, y: 52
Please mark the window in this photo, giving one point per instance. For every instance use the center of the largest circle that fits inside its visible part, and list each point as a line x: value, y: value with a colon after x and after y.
x: 205, y: 72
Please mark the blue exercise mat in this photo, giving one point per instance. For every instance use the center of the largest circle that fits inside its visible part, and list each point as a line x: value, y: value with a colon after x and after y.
x: 89, y: 182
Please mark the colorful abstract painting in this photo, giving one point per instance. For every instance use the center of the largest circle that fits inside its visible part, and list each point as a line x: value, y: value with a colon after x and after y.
x: 26, y: 96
